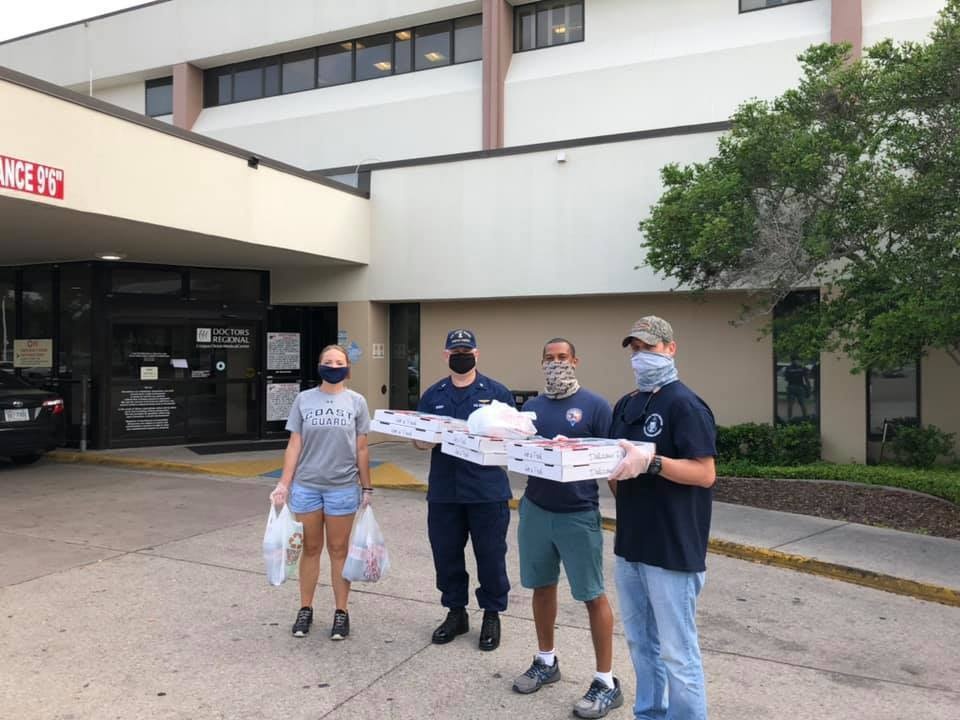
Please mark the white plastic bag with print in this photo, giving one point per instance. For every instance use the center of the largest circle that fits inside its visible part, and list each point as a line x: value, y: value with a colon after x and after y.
x: 500, y: 420
x: 292, y: 543
x: 273, y: 546
x: 367, y: 558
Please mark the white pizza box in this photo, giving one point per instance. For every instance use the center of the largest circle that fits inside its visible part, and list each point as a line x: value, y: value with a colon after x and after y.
x: 405, y: 431
x: 599, y: 470
x: 483, y: 443
x: 423, y: 421
x: 475, y: 456
x: 573, y: 451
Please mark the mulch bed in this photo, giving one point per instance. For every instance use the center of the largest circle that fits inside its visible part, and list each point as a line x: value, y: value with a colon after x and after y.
x: 852, y: 502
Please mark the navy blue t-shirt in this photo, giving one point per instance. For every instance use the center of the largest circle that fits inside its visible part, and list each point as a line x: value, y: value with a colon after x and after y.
x: 583, y: 414
x: 451, y: 479
x: 660, y: 522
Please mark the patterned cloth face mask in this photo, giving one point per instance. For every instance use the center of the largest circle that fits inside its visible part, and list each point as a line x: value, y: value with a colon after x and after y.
x: 560, y: 379
x: 652, y: 370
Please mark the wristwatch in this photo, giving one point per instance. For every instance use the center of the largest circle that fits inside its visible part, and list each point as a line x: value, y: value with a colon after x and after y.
x: 655, y: 465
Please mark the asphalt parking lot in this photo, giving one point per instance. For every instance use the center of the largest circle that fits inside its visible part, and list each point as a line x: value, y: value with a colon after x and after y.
x: 127, y: 594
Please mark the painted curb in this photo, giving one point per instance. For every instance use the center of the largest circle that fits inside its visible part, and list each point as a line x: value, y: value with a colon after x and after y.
x: 395, y: 478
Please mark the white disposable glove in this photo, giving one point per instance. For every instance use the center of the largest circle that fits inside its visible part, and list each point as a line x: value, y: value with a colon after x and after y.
x: 422, y: 445
x: 366, y: 499
x: 636, y: 460
x: 279, y: 495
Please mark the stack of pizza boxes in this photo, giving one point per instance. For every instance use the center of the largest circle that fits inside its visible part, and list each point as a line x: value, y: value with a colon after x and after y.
x: 567, y: 460
x: 478, y: 449
x: 414, y: 425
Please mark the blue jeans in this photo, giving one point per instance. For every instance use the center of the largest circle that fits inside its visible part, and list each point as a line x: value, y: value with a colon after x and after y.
x: 658, y: 608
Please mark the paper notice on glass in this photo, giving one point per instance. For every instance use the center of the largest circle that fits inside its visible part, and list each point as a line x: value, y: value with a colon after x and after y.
x: 179, y: 362
x: 280, y: 397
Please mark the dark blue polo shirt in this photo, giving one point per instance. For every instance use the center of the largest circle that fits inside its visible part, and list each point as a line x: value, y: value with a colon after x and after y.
x: 451, y: 479
x: 583, y: 414
x: 660, y: 522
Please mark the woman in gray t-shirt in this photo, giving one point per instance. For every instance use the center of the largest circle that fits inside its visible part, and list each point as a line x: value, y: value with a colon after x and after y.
x: 325, y: 479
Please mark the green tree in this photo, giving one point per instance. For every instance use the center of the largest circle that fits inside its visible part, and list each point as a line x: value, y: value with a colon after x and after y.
x: 849, y: 182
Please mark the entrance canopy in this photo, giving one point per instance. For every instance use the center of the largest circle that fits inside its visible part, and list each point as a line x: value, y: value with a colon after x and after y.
x: 80, y: 179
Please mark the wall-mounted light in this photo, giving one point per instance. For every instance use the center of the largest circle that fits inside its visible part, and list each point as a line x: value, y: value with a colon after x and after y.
x: 253, y: 162
x: 561, y: 157
x: 112, y: 256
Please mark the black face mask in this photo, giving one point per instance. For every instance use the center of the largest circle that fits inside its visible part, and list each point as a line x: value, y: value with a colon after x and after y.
x: 462, y: 363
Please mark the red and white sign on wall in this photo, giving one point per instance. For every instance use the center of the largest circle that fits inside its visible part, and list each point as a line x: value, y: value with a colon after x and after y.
x: 31, y: 177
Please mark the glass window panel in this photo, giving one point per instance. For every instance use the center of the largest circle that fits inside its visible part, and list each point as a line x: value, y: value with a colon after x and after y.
x: 746, y: 5
x: 159, y: 97
x: 402, y: 51
x: 8, y: 318
x: 468, y: 38
x: 137, y: 281
x: 217, y: 87
x: 271, y: 78
x: 432, y: 46
x: 248, y: 81
x: 559, y: 23
x: 298, y: 71
x: 229, y: 286
x: 335, y: 64
x: 796, y: 373
x: 37, y: 299
x: 893, y: 397
x: 76, y: 325
x: 525, y: 32
x: 375, y: 56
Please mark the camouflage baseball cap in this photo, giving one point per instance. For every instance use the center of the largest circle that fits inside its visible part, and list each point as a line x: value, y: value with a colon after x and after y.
x: 650, y: 329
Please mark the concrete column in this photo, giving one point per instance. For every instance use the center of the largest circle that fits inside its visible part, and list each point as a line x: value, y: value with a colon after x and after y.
x: 187, y: 95
x: 843, y: 411
x: 365, y: 324
x: 846, y: 23
x: 497, y: 52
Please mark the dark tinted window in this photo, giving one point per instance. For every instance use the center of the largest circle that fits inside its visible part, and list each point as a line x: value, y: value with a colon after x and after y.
x: 748, y: 5
x: 403, y: 51
x: 271, y: 78
x: 525, y: 29
x: 76, y: 324
x: 217, y: 86
x: 135, y: 281
x: 159, y: 97
x: 548, y: 23
x: 37, y: 299
x: 335, y: 64
x: 468, y: 38
x: 229, y: 286
x: 248, y: 81
x: 374, y: 56
x: 893, y: 396
x: 432, y: 46
x: 8, y: 316
x: 298, y: 71
x: 9, y: 381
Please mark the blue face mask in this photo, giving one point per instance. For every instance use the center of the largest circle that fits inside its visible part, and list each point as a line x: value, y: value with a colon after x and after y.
x: 652, y: 370
x: 333, y: 375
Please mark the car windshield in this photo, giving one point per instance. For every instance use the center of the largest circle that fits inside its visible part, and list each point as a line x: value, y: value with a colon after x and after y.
x: 9, y: 381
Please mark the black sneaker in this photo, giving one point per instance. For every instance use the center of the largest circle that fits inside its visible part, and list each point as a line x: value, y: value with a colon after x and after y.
x: 341, y: 625
x: 302, y: 625
x: 490, y: 631
x: 457, y: 623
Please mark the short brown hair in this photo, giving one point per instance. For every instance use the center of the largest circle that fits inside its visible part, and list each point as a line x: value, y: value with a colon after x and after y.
x: 342, y: 349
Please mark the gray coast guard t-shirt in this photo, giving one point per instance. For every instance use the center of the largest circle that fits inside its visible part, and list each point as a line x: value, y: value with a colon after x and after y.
x: 329, y: 425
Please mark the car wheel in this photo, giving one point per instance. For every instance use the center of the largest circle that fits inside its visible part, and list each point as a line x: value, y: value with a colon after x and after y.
x: 25, y: 459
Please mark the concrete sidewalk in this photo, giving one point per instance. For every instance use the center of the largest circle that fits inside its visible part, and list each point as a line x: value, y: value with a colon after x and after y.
x: 904, y: 563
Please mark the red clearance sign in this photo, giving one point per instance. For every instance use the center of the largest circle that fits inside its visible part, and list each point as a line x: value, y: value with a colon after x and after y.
x: 31, y: 177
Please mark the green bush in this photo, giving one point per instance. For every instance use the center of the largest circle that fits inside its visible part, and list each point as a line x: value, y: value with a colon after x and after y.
x: 921, y: 447
x: 942, y: 482
x: 763, y: 444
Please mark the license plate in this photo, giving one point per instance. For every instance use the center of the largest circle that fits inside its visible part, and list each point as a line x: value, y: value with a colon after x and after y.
x: 16, y: 415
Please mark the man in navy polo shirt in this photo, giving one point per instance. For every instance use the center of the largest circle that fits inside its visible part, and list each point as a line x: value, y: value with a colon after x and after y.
x: 663, y: 522
x: 560, y: 521
x: 465, y: 499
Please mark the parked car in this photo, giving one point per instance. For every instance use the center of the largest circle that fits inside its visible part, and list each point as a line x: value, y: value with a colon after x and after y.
x: 31, y: 419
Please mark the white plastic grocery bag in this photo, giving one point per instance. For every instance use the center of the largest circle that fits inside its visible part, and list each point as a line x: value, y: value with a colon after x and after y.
x: 273, y: 547
x: 502, y: 421
x: 367, y: 558
x: 292, y: 543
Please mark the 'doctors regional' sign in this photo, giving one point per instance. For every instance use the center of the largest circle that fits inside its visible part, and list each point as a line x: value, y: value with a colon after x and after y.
x: 31, y: 177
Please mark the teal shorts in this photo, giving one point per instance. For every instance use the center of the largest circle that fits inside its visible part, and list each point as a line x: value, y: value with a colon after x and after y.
x: 547, y: 538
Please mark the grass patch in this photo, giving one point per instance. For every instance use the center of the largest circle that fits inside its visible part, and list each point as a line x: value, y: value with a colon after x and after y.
x: 942, y: 482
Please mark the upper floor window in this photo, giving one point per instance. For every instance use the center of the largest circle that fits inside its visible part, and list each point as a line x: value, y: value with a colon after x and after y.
x: 159, y: 98
x: 393, y: 53
x: 547, y: 23
x: 748, y: 5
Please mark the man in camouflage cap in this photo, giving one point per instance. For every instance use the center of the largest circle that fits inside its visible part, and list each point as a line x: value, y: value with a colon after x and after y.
x: 663, y: 520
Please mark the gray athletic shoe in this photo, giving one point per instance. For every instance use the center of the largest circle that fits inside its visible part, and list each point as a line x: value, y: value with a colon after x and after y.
x: 537, y: 675
x: 599, y: 700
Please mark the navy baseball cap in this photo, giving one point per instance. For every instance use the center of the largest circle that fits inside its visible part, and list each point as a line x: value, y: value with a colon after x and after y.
x: 461, y: 339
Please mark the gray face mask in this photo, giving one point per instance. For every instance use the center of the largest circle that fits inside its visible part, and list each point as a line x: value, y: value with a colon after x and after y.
x: 652, y: 370
x: 560, y: 379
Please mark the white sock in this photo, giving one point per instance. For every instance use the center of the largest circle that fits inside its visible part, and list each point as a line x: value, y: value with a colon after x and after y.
x: 548, y: 658
x: 606, y: 678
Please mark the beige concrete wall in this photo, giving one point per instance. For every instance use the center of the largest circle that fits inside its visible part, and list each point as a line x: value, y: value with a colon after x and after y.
x: 940, y: 393
x: 728, y: 366
x: 843, y: 411
x: 366, y: 323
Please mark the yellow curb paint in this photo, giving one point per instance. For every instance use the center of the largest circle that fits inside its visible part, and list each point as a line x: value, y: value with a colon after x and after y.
x: 392, y: 477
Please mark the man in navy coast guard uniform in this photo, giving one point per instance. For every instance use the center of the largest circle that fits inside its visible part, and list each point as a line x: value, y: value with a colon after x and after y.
x: 465, y: 499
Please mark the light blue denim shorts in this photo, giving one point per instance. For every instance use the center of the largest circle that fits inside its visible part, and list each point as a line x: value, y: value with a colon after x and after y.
x: 341, y: 501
